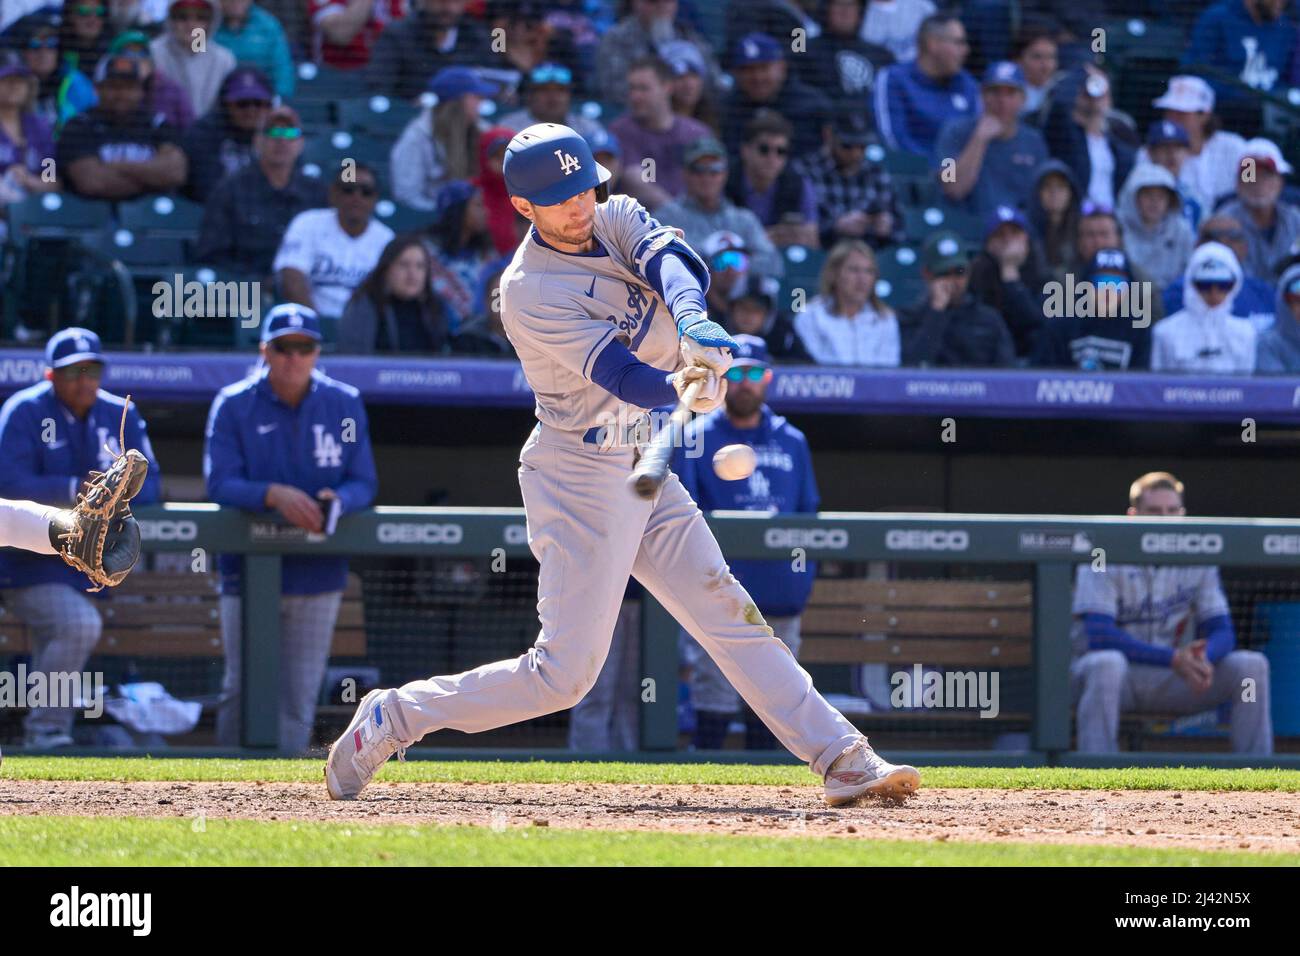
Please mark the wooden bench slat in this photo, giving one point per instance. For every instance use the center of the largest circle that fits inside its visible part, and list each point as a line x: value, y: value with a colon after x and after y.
x: 836, y: 650
x: 122, y: 614
x: 833, y: 620
x: 934, y: 594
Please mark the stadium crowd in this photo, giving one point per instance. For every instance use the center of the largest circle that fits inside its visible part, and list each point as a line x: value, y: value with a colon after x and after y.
x: 875, y: 183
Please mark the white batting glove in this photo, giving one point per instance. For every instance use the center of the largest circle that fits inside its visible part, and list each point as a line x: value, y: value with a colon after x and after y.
x: 712, y: 357
x: 711, y: 395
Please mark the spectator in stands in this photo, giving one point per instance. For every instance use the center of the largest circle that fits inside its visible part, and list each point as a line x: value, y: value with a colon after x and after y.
x: 248, y: 212
x: 1034, y: 51
x: 1251, y: 40
x: 221, y: 143
x: 650, y: 130
x: 504, y: 223
x: 1210, y: 170
x: 839, y: 62
x: 116, y: 151
x: 1054, y: 215
x: 1098, y: 329
x: 1277, y: 351
x: 782, y: 481
x: 949, y: 327
x: 1204, y: 336
x: 855, y: 198
x: 163, y: 96
x: 394, y: 309
x: 1179, y: 659
x: 327, y: 253
x: 84, y: 34
x: 730, y: 275
x: 914, y: 99
x: 52, y: 434
x: 1155, y: 232
x: 897, y: 25
x: 310, y: 465
x: 704, y: 208
x: 1100, y: 229
x: 755, y: 312
x: 64, y: 90
x: 532, y: 42
x: 776, y: 18
x: 344, y: 31
x: 1005, y: 276
x: 995, y: 154
x: 199, y: 72
x: 462, y: 250
x: 1271, y: 225
x: 442, y: 143
x: 847, y: 323
x: 134, y: 14
x: 1081, y: 132
x: 692, y: 95
x: 1168, y: 147
x: 778, y: 195
x: 1255, y: 299
x: 256, y: 38
x: 649, y: 25
x: 26, y: 140
x: 485, y: 333
x: 437, y: 34
x: 763, y: 80
x: 548, y: 98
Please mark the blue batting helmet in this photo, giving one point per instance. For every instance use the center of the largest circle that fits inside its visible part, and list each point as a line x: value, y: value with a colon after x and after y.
x: 548, y: 163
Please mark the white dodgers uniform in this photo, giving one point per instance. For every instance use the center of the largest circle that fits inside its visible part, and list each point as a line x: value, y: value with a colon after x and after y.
x: 588, y: 529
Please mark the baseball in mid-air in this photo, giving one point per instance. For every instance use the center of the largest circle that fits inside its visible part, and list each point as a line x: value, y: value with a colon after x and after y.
x: 733, y: 462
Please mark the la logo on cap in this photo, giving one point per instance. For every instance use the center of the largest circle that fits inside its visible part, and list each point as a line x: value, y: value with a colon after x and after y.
x: 83, y: 344
x: 751, y: 48
x: 295, y: 320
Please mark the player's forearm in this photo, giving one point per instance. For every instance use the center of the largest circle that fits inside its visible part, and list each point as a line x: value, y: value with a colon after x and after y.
x: 676, y: 284
x: 625, y: 376
x: 46, y: 489
x: 1218, y: 636
x: 1104, y: 634
x: 240, y: 493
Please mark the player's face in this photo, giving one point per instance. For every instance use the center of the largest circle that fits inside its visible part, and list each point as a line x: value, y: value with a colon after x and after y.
x: 567, y: 224
x: 1159, y: 503
x: 77, y: 386
x: 290, y: 360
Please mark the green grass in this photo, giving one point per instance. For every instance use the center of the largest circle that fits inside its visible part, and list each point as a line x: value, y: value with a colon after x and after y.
x: 540, y: 771
x: 81, y: 841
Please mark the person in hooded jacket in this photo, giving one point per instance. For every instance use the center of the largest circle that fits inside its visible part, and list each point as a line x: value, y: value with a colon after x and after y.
x: 1278, y: 350
x: 1099, y: 333
x: 503, y: 222
x: 1005, y: 276
x: 1155, y: 231
x: 1054, y: 204
x: 199, y: 72
x: 1255, y: 298
x: 1204, y: 336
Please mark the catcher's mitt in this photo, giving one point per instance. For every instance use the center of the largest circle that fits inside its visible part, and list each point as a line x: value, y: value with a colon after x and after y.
x: 100, y: 537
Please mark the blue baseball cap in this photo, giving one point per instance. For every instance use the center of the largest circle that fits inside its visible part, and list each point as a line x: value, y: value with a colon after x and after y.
x: 73, y: 345
x: 749, y: 350
x: 1004, y: 73
x: 1002, y: 215
x: 290, y: 318
x: 602, y: 140
x: 453, y: 81
x: 757, y: 48
x: 1165, y: 131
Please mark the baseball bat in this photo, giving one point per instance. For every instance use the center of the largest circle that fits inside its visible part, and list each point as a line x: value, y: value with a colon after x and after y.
x: 651, y: 471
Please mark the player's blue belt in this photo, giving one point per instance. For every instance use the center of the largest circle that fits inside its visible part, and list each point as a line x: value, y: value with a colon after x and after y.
x: 633, y: 433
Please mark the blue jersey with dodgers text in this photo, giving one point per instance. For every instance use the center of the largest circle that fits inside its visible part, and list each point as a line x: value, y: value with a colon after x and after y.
x: 782, y: 481
x: 255, y: 439
x: 46, y: 453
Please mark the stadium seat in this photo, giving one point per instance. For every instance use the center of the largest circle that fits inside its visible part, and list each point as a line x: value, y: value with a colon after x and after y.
x: 56, y: 216
x: 803, y: 268
x: 900, y: 283
x: 920, y: 221
x: 324, y: 155
x: 162, y: 217
x: 375, y: 114
x: 401, y: 218
x: 907, y: 165
x: 324, y: 83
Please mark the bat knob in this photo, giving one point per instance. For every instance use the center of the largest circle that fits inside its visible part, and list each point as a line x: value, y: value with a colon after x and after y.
x: 645, y: 486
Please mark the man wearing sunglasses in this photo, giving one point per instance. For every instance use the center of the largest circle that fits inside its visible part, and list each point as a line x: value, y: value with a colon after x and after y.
x: 783, y: 482
x: 1205, y: 336
x: 52, y: 435
x: 763, y: 81
x: 291, y: 440
x: 221, y: 143
x: 548, y: 97
x: 327, y: 253
x: 200, y: 72
x: 781, y: 198
x: 64, y: 91
x: 248, y: 212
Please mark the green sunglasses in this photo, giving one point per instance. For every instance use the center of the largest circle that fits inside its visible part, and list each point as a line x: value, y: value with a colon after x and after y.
x: 754, y: 373
x: 283, y: 132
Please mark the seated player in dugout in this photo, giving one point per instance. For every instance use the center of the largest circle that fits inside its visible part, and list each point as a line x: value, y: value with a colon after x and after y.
x: 1152, y: 639
x: 606, y: 310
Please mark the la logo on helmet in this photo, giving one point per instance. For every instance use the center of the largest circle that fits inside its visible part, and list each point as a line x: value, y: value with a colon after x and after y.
x: 568, y: 162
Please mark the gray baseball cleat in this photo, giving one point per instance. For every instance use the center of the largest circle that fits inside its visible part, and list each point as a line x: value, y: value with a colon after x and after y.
x: 365, y: 746
x: 861, y: 772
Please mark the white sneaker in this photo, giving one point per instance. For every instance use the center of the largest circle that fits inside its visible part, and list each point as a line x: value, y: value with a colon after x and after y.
x: 46, y: 740
x: 860, y: 771
x: 365, y: 746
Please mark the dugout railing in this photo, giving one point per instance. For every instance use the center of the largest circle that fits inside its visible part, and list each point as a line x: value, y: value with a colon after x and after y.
x: 1050, y: 545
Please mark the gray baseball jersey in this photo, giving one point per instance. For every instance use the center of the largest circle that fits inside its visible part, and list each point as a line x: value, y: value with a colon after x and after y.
x: 1158, y: 604
x: 560, y: 311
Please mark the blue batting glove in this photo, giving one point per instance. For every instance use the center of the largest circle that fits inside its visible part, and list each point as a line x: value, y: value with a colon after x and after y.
x: 704, y: 330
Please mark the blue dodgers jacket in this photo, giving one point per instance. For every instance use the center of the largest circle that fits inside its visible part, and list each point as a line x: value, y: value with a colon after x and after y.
x: 254, y: 439
x: 46, y: 453
x: 782, y: 481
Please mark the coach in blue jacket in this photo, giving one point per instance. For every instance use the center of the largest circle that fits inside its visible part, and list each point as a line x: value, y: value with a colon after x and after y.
x: 782, y: 481
x: 52, y: 435
x: 288, y: 439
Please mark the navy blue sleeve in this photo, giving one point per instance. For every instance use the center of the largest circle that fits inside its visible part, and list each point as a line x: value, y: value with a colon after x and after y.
x: 621, y: 373
x: 1104, y: 634
x: 1218, y: 636
x: 676, y: 282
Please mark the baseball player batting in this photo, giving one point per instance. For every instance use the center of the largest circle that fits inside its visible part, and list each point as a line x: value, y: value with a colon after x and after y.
x: 605, y: 308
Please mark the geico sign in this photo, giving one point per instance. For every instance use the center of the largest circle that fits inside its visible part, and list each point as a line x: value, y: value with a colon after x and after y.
x: 155, y: 529
x: 905, y: 539
x: 1172, y: 542
x: 394, y: 533
x: 1282, y: 544
x: 831, y: 538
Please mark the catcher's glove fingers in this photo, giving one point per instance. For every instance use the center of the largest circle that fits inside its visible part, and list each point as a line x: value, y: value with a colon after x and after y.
x: 713, y: 393
x: 693, y: 353
x: 121, y: 548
